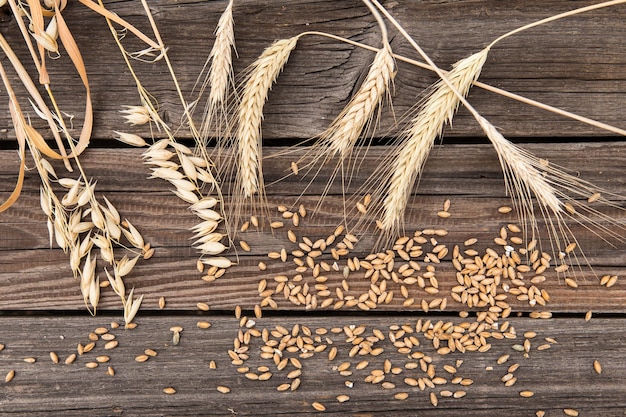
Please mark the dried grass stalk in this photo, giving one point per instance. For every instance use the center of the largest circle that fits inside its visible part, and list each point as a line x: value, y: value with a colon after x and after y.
x: 418, y: 139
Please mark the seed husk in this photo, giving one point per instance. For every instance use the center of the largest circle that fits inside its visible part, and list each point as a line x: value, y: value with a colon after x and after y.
x: 162, y: 302
x: 343, y: 398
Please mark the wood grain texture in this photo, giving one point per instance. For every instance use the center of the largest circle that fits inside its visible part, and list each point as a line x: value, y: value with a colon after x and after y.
x: 571, y: 64
x: 561, y: 377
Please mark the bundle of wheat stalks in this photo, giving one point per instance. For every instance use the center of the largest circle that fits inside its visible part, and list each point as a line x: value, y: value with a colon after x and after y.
x: 85, y: 224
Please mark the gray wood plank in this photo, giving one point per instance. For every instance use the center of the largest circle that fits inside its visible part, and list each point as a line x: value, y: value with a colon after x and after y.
x: 30, y: 271
x: 571, y: 64
x: 560, y: 377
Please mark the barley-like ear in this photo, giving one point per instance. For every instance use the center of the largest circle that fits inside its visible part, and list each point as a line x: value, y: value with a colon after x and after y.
x: 261, y: 77
x: 418, y: 139
x: 221, y: 71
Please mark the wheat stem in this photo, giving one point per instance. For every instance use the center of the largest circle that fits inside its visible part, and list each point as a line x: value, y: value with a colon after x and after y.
x: 557, y: 17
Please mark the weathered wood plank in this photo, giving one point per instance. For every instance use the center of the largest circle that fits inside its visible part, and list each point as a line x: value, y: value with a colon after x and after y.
x: 561, y: 377
x: 27, y: 267
x: 451, y: 169
x: 571, y: 64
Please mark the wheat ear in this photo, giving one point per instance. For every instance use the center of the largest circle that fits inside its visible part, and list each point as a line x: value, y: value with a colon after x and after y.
x: 221, y: 70
x: 559, y: 195
x: 344, y: 131
x: 220, y: 74
x: 418, y: 139
x: 261, y: 77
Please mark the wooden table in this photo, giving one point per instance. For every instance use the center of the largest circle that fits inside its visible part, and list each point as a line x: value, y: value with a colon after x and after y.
x: 576, y: 64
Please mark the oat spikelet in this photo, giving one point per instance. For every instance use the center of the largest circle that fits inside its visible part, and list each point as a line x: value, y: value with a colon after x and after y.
x: 418, y: 139
x: 342, y: 134
x: 262, y: 75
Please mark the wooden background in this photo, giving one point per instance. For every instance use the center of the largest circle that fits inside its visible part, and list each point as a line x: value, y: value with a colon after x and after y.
x: 577, y: 64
